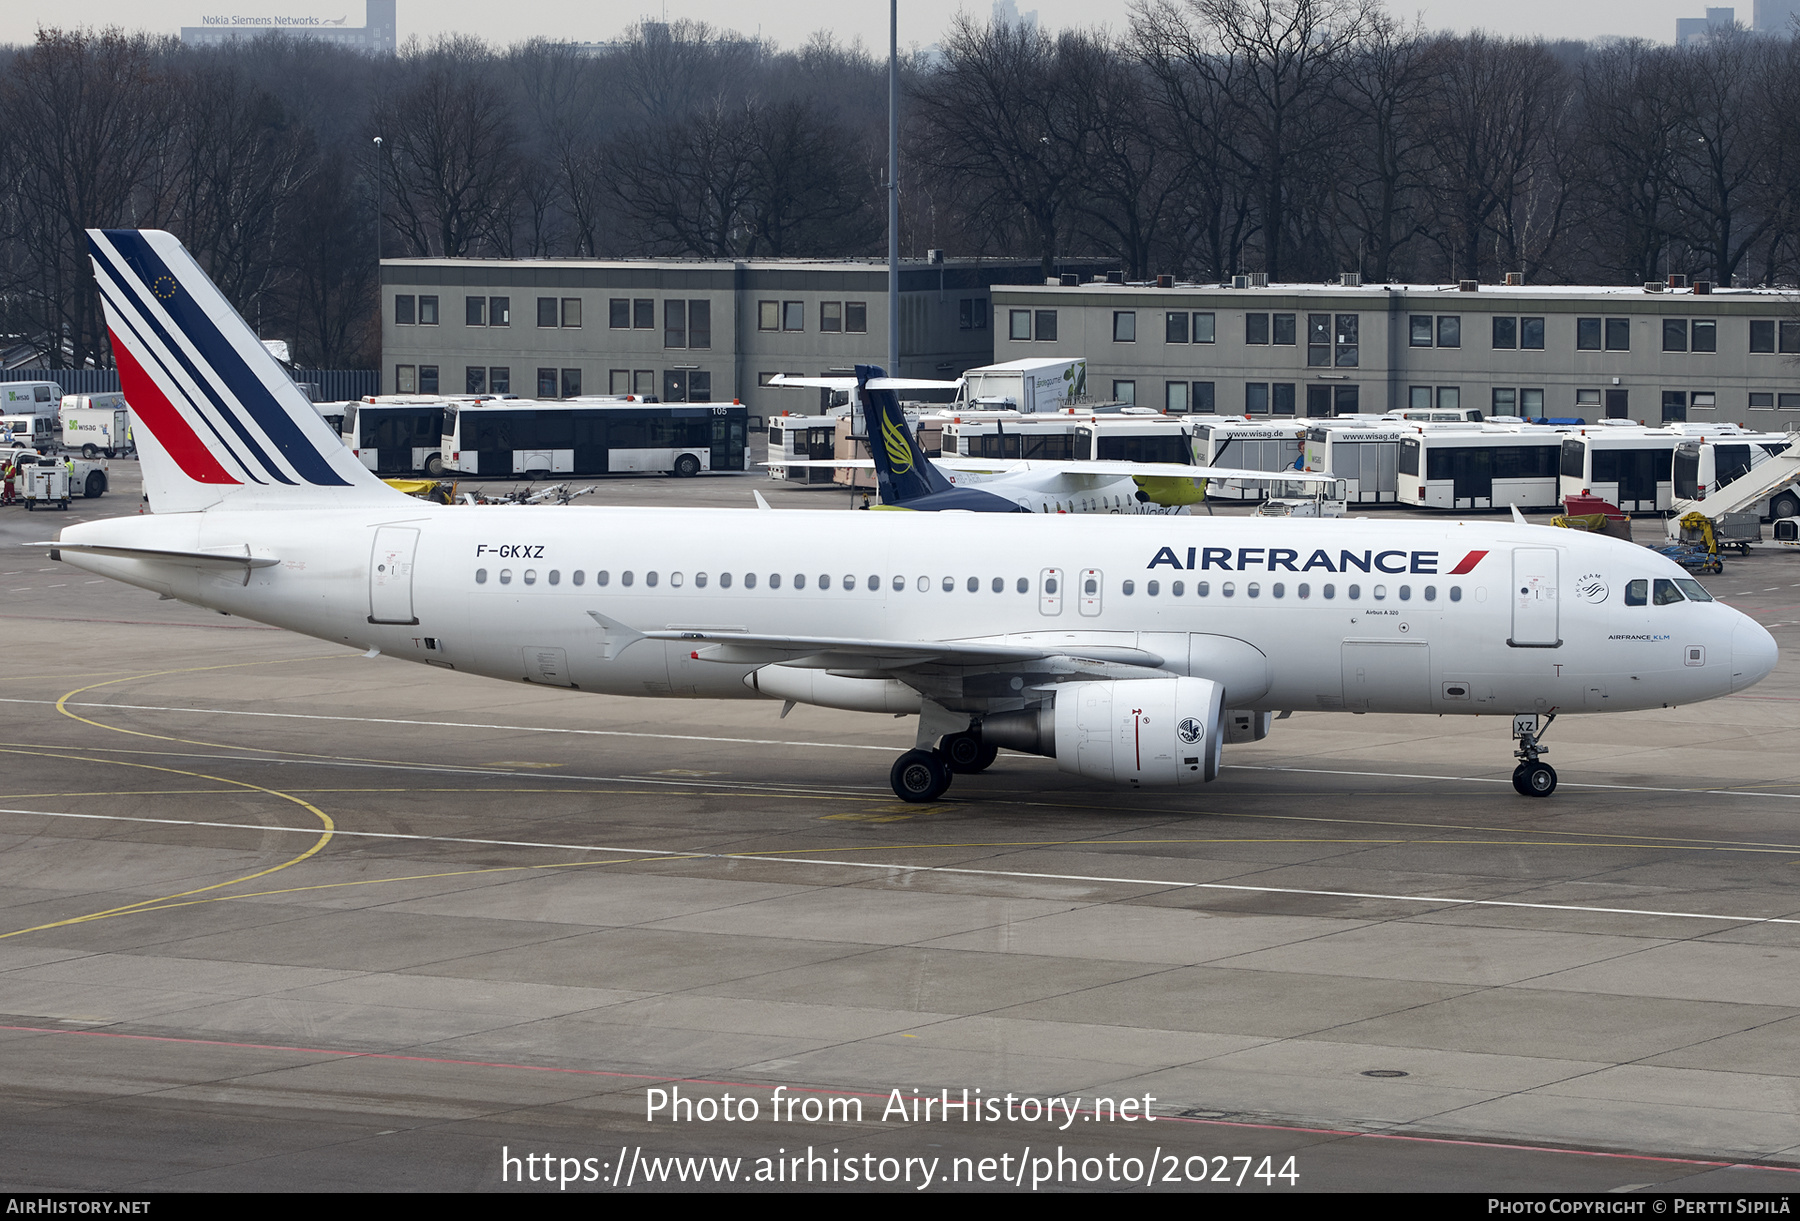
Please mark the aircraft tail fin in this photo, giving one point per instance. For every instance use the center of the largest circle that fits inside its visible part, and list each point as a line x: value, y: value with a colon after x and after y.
x: 902, y: 471
x: 216, y: 419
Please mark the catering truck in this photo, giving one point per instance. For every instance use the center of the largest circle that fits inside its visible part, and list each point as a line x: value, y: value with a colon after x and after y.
x: 96, y: 424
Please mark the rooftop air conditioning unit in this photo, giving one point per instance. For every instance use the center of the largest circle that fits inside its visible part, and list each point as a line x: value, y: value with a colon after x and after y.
x: 1515, y: 279
x: 1115, y: 277
x: 1165, y: 281
x: 935, y: 257
x: 1070, y: 279
x: 1350, y: 279
x: 1468, y: 286
x: 1653, y: 286
x: 1703, y: 288
x: 1259, y: 279
x: 1240, y: 281
x: 1676, y: 281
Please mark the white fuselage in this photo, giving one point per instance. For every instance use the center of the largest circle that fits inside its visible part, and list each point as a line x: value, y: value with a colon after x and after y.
x: 494, y: 591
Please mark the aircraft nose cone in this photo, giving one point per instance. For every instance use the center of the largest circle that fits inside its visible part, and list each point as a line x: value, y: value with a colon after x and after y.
x: 1753, y: 654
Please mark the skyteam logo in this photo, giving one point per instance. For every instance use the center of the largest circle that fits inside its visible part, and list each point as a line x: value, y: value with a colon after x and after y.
x: 1190, y: 730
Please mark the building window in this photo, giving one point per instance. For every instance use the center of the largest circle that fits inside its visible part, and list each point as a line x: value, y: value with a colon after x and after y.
x: 406, y: 379
x: 1349, y: 331
x: 1587, y: 334
x: 1706, y: 335
x: 618, y: 382
x: 1703, y: 400
x: 793, y: 315
x: 1531, y: 403
x: 571, y: 311
x: 856, y: 317
x: 1762, y: 399
x: 499, y: 311
x: 500, y: 380
x: 1790, y: 334
x: 1203, y: 398
x: 546, y: 383
x: 1256, y: 328
x: 1318, y: 340
x: 475, y: 379
x: 1018, y: 325
x: 674, y: 386
x: 674, y: 324
x: 1125, y: 326
x: 699, y: 324
x: 643, y: 382
x: 1346, y: 400
x: 1788, y: 402
x: 428, y: 379
x: 571, y: 383
x: 1203, y: 328
x: 618, y: 313
x: 1762, y: 335
x: 1318, y: 401
x: 1587, y: 398
x: 1046, y: 324
x: 643, y: 314
x: 1675, y: 334
x: 1418, y: 398
x: 768, y: 315
x: 1420, y: 329
x: 1674, y: 405
x: 1256, y: 398
x: 1125, y: 392
x: 475, y: 311
x: 404, y: 315
x: 700, y: 386
x: 1506, y: 402
x: 1506, y: 334
x: 1618, y: 334
x: 831, y: 316
x: 428, y: 311
x: 1531, y: 334
x: 1175, y: 328
x: 1281, y: 398
x: 1449, y: 331
x: 1175, y: 396
x: 1284, y: 328
x: 546, y: 311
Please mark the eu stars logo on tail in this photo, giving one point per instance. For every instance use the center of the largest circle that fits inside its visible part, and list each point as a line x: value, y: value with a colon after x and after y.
x: 216, y: 418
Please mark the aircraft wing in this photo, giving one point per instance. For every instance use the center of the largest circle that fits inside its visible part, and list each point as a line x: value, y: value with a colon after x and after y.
x: 1119, y: 470
x: 855, y: 464
x: 849, y: 653
x: 874, y: 383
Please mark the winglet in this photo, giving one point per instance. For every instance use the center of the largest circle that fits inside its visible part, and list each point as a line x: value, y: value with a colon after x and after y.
x: 615, y: 637
x: 760, y: 502
x: 1518, y: 517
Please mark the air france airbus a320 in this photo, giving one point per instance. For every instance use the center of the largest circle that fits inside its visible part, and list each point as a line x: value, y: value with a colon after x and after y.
x: 1128, y: 648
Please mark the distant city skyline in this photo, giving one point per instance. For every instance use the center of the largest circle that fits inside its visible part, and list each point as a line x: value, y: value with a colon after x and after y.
x: 793, y: 24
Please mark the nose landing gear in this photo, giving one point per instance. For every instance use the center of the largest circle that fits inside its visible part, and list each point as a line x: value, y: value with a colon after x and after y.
x: 1532, y: 778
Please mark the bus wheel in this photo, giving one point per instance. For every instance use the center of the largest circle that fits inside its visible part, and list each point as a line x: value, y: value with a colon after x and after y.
x: 1785, y: 505
x: 434, y: 466
x: 687, y: 466
x: 90, y: 452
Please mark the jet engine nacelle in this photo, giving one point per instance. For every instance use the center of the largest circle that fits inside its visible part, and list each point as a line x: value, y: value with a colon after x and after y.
x: 1152, y: 731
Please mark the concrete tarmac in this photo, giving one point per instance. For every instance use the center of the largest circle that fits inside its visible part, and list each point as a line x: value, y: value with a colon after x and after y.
x: 274, y: 916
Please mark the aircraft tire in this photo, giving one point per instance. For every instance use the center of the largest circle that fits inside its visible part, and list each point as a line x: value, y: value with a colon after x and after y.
x: 1518, y: 779
x: 1539, y: 780
x: 966, y: 754
x: 920, y: 776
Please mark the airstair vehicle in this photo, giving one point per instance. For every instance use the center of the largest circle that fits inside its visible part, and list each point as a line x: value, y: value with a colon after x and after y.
x: 1730, y: 506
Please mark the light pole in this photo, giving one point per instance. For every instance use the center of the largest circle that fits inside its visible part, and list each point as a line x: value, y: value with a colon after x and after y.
x: 378, y: 206
x: 893, y: 188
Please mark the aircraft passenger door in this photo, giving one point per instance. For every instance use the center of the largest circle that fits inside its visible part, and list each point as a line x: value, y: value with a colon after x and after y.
x: 1534, y: 599
x: 1092, y: 586
x: 391, y: 575
x: 1050, y: 591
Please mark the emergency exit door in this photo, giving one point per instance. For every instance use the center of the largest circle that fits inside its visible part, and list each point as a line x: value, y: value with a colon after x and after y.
x: 391, y: 575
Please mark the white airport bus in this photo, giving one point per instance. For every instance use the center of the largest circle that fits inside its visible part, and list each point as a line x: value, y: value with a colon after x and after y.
x: 1132, y: 436
x: 1010, y: 434
x: 1633, y: 467
x: 1247, y: 445
x: 1481, y: 467
x: 511, y: 438
x: 397, y: 434
x: 1701, y: 465
x: 1365, y: 456
x: 802, y: 438
x: 96, y: 424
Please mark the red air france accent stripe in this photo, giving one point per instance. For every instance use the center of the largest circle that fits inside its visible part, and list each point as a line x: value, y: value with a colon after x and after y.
x: 155, y: 412
x: 1468, y: 563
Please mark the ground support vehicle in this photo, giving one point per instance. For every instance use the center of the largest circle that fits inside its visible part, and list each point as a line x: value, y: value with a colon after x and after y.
x: 46, y: 484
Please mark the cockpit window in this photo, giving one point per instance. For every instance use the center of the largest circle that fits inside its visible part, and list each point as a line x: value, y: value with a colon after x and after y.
x: 1666, y: 593
x: 1694, y: 590
x: 1637, y: 593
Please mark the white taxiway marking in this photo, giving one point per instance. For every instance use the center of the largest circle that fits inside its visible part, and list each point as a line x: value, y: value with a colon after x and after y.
x: 897, y: 868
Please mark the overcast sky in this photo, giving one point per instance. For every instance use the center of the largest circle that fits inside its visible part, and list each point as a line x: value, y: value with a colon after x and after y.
x: 790, y: 23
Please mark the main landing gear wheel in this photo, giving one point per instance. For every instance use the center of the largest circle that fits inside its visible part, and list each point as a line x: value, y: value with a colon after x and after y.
x: 966, y: 753
x: 920, y: 775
